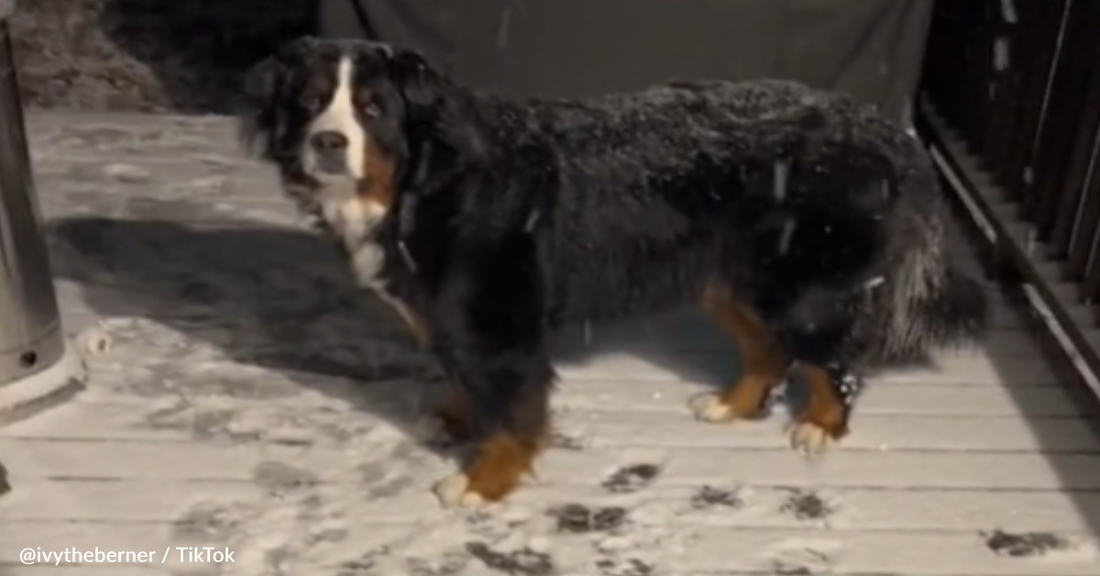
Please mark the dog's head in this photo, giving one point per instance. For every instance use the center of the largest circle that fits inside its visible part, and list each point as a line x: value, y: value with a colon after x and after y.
x: 354, y: 115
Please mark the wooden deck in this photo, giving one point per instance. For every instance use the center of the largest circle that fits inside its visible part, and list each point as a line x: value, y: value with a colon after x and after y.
x: 249, y: 404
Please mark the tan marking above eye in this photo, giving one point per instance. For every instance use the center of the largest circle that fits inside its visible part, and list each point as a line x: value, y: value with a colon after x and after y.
x: 363, y: 96
x: 365, y: 100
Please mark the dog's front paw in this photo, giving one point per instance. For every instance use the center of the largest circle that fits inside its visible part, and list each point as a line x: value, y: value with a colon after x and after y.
x: 496, y: 471
x: 476, y: 489
x: 811, y: 439
x: 455, y: 491
x: 822, y: 403
x: 711, y: 408
x: 745, y: 399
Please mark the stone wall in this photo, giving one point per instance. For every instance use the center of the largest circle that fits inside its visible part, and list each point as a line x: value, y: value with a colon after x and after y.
x: 147, y: 55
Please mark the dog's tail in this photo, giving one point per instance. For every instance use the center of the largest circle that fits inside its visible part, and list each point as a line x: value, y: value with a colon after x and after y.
x: 926, y: 300
x: 929, y: 303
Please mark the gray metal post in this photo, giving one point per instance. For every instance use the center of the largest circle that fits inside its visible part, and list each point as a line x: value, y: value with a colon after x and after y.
x: 32, y: 343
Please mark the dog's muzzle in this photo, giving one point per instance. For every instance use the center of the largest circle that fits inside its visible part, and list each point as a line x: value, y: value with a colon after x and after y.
x: 330, y: 148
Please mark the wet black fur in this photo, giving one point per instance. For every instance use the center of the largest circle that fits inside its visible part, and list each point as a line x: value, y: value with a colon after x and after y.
x: 538, y: 214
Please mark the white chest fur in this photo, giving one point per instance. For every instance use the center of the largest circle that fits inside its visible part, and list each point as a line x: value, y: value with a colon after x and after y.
x: 352, y: 220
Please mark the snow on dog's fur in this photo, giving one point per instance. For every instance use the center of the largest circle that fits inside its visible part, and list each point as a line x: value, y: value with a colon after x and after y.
x: 809, y: 227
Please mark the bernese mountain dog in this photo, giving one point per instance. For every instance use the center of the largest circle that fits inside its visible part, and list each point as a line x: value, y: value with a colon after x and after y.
x: 809, y: 227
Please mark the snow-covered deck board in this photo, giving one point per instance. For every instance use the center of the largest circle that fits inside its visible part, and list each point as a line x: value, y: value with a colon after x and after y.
x: 249, y: 403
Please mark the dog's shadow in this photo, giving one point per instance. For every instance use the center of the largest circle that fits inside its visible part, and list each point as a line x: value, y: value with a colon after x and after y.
x: 282, y: 300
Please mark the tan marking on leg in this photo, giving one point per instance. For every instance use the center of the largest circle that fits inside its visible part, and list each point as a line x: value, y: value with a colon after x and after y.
x: 502, y: 459
x: 763, y: 363
x: 824, y: 419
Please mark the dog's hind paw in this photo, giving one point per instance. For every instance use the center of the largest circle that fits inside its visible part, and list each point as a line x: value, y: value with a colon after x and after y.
x: 454, y: 491
x: 711, y: 408
x: 810, y: 439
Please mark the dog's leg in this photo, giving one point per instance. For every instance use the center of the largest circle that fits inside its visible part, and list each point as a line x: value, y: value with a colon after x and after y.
x: 763, y: 365
x: 505, y: 451
x: 488, y: 333
x: 821, y: 399
x: 817, y: 332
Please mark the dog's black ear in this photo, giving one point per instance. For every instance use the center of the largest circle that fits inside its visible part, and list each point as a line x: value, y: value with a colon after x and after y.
x: 422, y: 87
x: 261, y: 123
x: 258, y: 115
x: 435, y: 108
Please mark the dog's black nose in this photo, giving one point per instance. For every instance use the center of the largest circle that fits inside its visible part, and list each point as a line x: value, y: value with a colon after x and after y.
x: 329, y: 141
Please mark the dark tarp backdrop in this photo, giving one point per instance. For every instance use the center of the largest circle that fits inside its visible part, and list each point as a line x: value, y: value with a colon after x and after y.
x: 869, y: 48
x: 188, y: 55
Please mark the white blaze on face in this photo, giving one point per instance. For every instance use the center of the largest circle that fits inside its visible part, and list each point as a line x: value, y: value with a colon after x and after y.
x: 339, y: 116
x: 351, y: 217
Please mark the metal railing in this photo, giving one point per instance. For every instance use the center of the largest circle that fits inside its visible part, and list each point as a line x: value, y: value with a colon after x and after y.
x: 1010, y: 109
x: 1019, y: 82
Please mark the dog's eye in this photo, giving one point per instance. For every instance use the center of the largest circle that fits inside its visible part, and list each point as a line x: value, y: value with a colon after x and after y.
x: 371, y: 109
x: 311, y: 101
